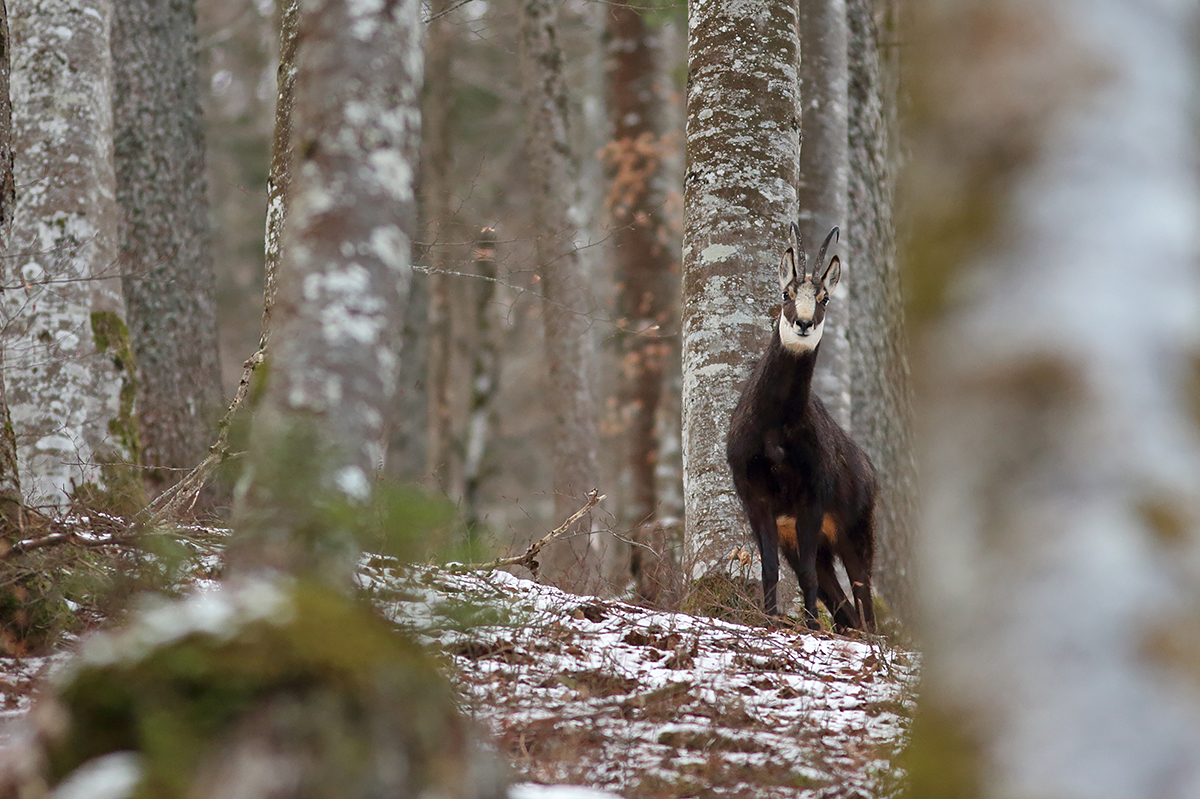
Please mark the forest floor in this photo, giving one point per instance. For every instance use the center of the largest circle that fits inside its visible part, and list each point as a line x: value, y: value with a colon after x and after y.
x: 645, y: 704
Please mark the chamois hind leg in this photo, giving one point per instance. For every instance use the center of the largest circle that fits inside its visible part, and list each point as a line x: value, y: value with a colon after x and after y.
x: 845, y: 617
x: 766, y: 535
x: 857, y: 551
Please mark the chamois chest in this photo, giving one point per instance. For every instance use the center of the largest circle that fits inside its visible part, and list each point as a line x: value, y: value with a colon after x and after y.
x: 777, y: 435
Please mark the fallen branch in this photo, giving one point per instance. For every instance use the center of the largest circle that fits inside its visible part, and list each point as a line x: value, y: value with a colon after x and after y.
x: 527, y: 558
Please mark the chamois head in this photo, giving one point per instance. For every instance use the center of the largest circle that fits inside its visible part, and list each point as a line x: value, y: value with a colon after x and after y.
x: 805, y: 296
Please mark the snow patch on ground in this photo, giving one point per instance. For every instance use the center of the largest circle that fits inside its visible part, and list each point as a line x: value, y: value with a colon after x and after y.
x: 583, y: 690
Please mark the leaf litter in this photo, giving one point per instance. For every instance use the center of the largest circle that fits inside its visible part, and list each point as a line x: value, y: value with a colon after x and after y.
x: 643, y: 703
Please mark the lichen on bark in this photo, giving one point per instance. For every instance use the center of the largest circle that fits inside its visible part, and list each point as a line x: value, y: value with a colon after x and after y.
x: 62, y: 390
x: 739, y: 198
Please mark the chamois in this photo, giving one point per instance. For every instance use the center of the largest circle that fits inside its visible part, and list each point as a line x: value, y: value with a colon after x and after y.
x: 804, y: 485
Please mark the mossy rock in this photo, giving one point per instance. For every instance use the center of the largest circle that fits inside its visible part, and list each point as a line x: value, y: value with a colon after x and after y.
x: 211, y: 690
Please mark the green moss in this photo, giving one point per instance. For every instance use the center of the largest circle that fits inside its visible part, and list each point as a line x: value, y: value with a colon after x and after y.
x: 944, y: 756
x: 33, y: 612
x: 315, y: 680
x: 112, y: 338
x: 1166, y: 517
x: 724, y: 597
x: 1191, y: 389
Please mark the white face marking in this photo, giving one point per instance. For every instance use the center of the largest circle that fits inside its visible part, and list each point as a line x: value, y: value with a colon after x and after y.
x: 793, y: 341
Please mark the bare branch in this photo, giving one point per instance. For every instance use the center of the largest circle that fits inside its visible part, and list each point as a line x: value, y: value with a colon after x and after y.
x: 527, y: 558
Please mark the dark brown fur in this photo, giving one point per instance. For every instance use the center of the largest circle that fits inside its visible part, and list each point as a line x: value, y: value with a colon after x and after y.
x: 798, y: 474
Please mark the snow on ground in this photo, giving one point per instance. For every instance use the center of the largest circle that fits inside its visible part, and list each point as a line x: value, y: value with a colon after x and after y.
x: 649, y: 704
x: 589, y: 692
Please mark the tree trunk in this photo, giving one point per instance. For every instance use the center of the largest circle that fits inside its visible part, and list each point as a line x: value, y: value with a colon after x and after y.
x: 165, y: 259
x: 449, y: 300
x: 485, y: 379
x: 347, y: 246
x: 881, y: 417
x: 641, y: 244
x: 69, y: 366
x: 823, y: 184
x: 1060, y: 541
x: 646, y: 269
x: 575, y: 562
x: 739, y: 198
x: 10, y: 484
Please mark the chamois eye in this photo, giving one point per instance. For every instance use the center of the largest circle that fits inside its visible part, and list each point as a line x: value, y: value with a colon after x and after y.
x: 824, y: 299
x: 786, y: 297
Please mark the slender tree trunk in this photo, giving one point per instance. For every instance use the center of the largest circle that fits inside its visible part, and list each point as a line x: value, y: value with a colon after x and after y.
x: 69, y: 365
x: 165, y: 258
x: 570, y: 349
x: 485, y: 378
x: 1061, y: 538
x: 824, y: 179
x: 10, y: 484
x: 739, y: 198
x: 347, y: 246
x: 449, y: 302
x: 880, y: 376
x: 280, y: 179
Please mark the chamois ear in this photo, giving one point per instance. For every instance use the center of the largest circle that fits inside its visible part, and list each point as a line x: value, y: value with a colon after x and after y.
x: 832, y: 274
x: 787, y: 269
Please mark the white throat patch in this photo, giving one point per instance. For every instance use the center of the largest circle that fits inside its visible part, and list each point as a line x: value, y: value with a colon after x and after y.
x: 793, y: 341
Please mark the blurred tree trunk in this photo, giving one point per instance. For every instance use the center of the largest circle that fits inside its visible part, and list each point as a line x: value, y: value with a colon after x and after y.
x: 575, y: 562
x: 165, y: 258
x: 485, y: 378
x: 739, y: 199
x: 69, y: 365
x: 447, y: 307
x: 881, y: 390
x: 347, y: 249
x: 822, y: 187
x: 10, y: 484
x: 646, y: 262
x: 449, y: 295
x: 1061, y: 548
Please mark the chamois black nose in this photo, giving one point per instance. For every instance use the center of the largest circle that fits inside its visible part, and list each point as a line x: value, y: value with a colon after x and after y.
x: 803, y: 327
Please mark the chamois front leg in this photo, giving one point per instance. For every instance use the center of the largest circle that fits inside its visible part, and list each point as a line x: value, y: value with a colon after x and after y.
x: 766, y: 535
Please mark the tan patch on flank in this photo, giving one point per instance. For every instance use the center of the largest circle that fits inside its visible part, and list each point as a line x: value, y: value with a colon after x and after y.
x: 787, y: 530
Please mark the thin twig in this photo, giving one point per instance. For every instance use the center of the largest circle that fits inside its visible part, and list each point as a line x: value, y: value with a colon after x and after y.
x: 185, y: 491
x: 527, y: 558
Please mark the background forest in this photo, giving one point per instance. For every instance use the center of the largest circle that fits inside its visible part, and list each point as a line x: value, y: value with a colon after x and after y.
x: 476, y: 270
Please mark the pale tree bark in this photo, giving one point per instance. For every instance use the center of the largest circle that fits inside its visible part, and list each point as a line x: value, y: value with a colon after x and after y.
x: 332, y: 700
x: 574, y: 563
x: 165, y: 256
x: 881, y: 389
x: 347, y: 248
x: 823, y: 183
x: 647, y: 268
x: 10, y: 483
x: 1061, y: 549
x: 69, y: 366
x: 449, y: 295
x: 739, y: 199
